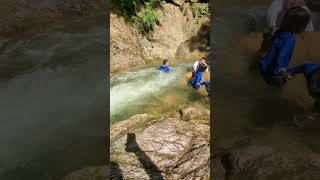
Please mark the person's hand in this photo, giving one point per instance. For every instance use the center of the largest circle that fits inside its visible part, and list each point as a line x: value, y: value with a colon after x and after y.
x: 288, y: 75
x: 274, y: 29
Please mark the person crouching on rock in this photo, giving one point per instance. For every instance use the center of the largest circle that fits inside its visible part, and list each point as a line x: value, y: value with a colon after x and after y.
x: 196, y: 65
x: 274, y: 65
x: 196, y: 79
x: 275, y: 16
x: 165, y: 66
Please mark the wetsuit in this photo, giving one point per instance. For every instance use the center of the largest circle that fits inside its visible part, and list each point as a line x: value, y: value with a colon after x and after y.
x: 164, y: 68
x: 278, y: 58
x: 196, y: 81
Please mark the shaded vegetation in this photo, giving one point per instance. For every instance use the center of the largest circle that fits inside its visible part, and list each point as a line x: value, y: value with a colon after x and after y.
x: 199, y: 11
x: 141, y: 12
x: 147, y: 20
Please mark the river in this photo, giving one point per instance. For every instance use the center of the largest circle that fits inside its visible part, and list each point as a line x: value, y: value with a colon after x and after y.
x: 147, y: 90
x: 53, y: 102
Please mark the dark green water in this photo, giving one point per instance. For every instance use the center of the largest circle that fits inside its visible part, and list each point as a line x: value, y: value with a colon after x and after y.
x: 52, y: 107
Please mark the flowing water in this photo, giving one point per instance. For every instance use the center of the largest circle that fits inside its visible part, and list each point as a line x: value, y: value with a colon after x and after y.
x: 150, y: 91
x: 245, y: 107
x: 52, y: 104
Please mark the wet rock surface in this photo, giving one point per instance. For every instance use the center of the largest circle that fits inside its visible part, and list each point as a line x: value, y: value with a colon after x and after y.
x: 173, y: 146
x: 89, y: 173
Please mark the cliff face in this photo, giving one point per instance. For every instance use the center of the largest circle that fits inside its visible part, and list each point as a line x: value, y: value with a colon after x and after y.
x: 178, y: 35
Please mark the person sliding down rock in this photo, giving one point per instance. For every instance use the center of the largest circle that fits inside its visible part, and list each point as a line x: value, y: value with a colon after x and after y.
x: 275, y: 16
x: 196, y: 65
x: 196, y: 80
x: 274, y: 65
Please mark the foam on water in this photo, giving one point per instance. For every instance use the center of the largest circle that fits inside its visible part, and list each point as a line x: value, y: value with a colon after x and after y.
x: 131, y: 88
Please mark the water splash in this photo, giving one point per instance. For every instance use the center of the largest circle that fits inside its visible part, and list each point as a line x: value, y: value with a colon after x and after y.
x: 132, y: 88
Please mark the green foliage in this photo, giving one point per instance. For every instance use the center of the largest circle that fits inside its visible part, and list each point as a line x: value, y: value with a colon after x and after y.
x: 147, y: 19
x: 152, y: 4
x: 130, y: 8
x: 127, y: 8
x: 199, y: 12
x: 140, y: 10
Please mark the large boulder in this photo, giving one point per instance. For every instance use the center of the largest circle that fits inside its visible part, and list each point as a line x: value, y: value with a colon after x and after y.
x: 174, y: 146
x: 178, y: 27
x: 125, y: 46
x: 264, y: 162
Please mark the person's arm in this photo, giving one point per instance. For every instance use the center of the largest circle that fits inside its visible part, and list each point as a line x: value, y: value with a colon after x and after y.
x: 304, y: 68
x: 297, y: 69
x: 309, y: 27
x: 273, y: 13
x: 195, y: 66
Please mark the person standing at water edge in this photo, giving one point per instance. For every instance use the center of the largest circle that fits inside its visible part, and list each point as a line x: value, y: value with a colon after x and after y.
x: 164, y: 67
x: 274, y: 66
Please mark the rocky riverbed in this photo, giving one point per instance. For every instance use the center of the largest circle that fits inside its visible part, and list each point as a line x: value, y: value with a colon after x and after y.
x: 169, y: 146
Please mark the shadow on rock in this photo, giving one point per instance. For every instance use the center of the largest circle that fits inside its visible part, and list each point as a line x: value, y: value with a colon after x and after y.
x: 202, y: 40
x: 150, y: 168
x: 115, y: 171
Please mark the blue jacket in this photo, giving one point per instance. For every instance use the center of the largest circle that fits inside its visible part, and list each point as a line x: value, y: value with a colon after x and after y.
x: 164, y: 68
x: 279, y: 54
